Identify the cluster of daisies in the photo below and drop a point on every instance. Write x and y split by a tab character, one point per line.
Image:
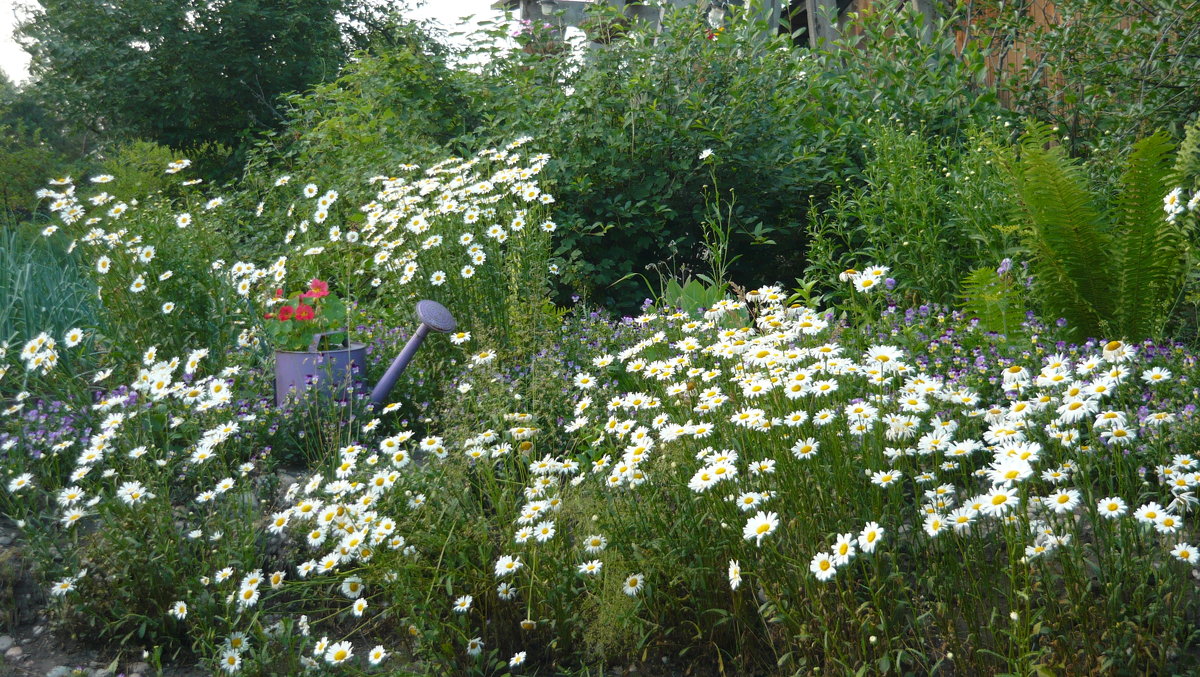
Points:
115	410
337	515
426	229
978	458
485	207
114	239
112	469
41	352
866	280
246	594
1174	204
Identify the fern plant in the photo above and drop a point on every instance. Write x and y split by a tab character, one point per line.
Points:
1186	178
994	299
1187	162
1108	267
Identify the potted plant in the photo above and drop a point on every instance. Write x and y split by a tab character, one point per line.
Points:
312	344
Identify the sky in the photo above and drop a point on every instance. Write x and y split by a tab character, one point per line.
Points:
15	63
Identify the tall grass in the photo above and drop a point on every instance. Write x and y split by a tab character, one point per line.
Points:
41	289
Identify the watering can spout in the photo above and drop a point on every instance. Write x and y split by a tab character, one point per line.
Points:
433	316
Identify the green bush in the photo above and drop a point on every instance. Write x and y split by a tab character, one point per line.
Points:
33	147
138	167
25	162
629	133
388	107
784	126
1104	71
929	210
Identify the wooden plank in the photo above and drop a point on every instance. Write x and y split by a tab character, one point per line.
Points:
769	13
929	13
822	22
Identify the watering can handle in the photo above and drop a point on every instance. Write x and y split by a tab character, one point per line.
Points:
316	340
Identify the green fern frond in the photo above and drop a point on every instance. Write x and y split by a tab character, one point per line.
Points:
1114	272
1187	162
1147	266
992	299
1066	235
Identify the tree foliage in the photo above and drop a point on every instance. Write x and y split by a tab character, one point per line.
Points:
186	72
399	104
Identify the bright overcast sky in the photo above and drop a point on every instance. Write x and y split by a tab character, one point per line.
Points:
448	13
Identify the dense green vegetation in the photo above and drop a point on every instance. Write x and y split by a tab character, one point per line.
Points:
913	390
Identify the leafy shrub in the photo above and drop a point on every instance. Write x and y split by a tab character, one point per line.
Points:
1105	72
137	168
26	160
626	127
387	107
784	127
32	147
892	64
931	211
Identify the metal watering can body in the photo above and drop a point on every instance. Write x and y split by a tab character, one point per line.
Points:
326	371
335	370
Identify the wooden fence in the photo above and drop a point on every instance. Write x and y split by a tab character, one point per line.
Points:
1009	54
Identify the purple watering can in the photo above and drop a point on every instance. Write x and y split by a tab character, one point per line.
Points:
327	370
322	370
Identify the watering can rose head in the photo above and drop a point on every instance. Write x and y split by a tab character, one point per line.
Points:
294	320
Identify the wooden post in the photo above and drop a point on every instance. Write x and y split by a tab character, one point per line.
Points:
822	22
929	12
769	13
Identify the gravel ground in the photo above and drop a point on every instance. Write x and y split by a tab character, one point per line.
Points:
30	647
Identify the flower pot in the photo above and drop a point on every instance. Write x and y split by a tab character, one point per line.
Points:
330	372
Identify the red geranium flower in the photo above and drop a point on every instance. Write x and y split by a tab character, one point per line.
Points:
305	312
285	313
316	289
